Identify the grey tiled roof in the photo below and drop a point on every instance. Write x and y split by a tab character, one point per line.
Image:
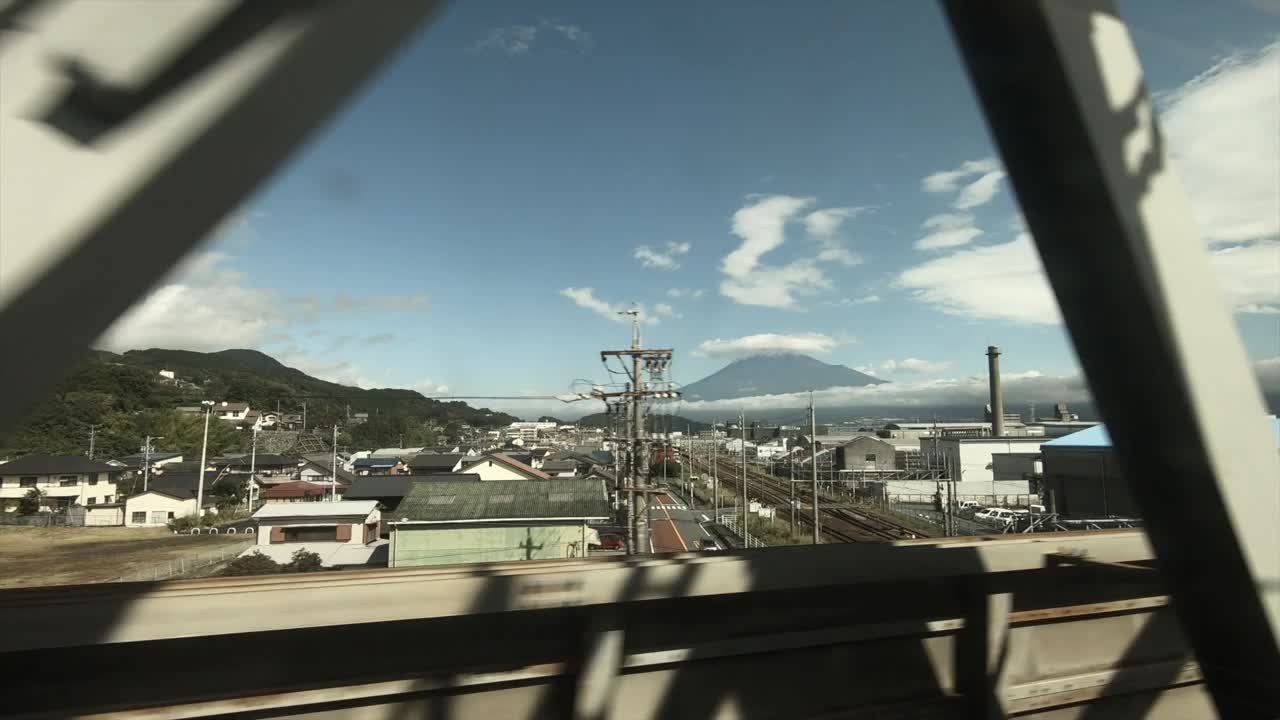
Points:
503	499
54	465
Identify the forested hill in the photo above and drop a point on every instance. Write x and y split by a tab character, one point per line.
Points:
125	398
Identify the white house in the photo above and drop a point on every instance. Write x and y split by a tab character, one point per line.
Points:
498	466
155	508
61	480
231	411
342	533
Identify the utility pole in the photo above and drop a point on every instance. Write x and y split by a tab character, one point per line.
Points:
791	483
204	454
742	431
333	479
304	417
715	470
813	460
146	463
253	468
93	434
655	363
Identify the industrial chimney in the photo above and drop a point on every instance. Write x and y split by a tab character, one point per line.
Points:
997	393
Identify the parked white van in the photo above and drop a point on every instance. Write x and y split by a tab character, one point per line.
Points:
998	516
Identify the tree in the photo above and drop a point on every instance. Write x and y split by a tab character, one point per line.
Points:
254	564
303	561
31	502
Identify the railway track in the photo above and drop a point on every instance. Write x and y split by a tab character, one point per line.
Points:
838	524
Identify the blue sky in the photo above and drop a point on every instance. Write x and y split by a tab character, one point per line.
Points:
445	229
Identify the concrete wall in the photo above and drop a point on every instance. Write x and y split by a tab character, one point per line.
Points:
1013	467
1087	483
972	460
413	545
152	502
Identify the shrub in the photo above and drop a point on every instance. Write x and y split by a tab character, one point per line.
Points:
302	561
255	564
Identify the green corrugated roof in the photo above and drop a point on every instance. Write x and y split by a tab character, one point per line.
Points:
499	499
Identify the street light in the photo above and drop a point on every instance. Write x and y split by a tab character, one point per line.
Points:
204	449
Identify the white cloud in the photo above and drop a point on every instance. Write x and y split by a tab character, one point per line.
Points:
1003	281
839	255
914	365
866	299
661	259
586	298
947	230
1249	276
776	287
684	293
949	180
1223	140
980	191
203	306
520	39
761	226
666	310
826	222
805	343
429	388
510	40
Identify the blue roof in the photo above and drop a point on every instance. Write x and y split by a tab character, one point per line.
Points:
1097	437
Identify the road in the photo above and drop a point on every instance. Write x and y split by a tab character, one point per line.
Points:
676	528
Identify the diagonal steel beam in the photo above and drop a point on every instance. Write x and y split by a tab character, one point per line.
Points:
1063	91
130	180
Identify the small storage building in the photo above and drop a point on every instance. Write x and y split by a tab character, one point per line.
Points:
445	523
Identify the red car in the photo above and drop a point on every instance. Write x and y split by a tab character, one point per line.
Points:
611	542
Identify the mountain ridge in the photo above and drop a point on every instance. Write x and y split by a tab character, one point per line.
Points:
773	374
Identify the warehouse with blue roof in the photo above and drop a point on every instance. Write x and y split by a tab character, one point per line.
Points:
1083	479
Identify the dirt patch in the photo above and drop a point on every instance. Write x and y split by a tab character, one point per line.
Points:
34	556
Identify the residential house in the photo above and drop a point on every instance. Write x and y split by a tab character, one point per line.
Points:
537	456
61	480
300	491
435	463
445	523
155	508
265	465
217	486
342	533
383	465
318	468
158	460
397	453
500	466
560	468
187	466
389	490
230	411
